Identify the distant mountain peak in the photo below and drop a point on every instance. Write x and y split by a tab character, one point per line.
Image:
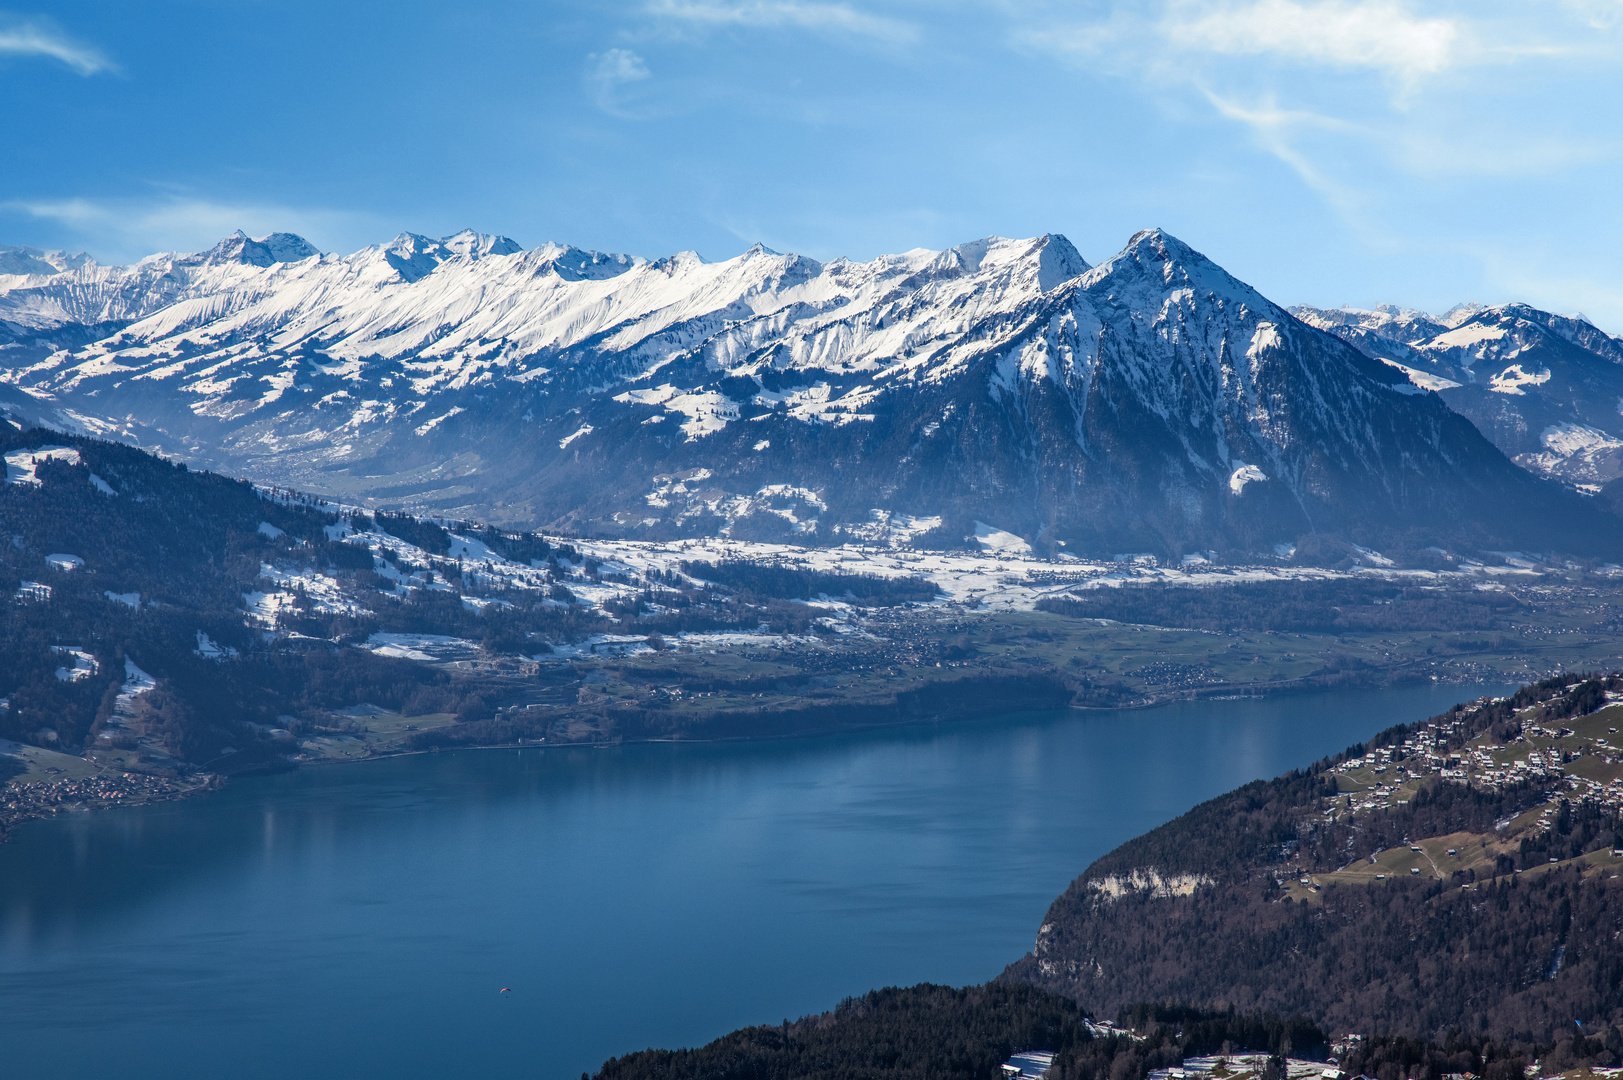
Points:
1058	261
31	261
288	247
478	244
1157	246
1459	313
268	250
999	380
415	256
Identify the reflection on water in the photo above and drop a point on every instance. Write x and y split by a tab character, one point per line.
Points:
358	920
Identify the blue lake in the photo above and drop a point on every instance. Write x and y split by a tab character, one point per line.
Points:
359	920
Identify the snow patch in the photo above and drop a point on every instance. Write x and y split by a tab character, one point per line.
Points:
1569	439
466	547
1265	337
584	429
1374	558
424	429
1425	380
84	665
131	600
136	684
1578	453
61	561
1244	475
1513	378
996	540
209	649
21	464
425	647
1466	336
101	485
892	529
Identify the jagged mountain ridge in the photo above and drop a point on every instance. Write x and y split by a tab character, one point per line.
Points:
1150	403
1546	389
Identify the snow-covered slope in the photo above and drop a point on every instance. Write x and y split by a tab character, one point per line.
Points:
999	387
1547	389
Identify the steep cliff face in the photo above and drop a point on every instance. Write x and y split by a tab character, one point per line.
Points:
1150	403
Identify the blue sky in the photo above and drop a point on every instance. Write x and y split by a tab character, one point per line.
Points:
1327	151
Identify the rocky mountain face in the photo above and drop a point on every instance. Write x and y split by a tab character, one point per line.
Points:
1546	389
1150	403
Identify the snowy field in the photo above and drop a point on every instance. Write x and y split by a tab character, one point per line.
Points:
1004	577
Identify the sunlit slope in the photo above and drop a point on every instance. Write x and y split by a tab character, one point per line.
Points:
1152	402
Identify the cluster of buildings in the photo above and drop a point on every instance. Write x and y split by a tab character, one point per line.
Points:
40	798
1588	765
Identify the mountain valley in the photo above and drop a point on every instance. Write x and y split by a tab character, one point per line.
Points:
492	497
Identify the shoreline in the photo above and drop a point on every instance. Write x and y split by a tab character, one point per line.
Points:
48	799
35	800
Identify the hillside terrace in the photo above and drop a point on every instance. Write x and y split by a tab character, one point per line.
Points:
1577	762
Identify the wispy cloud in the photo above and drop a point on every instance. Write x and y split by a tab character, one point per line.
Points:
1185	39
1277	131
39	36
609	73
1390	112
125	229
1369	68
1597	14
1382	35
839	18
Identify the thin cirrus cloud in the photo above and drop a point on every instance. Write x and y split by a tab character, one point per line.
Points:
1384	36
1259	63
1372	34
133	228
791	14
609	73
40	37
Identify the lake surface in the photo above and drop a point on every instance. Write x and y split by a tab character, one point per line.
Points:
359	920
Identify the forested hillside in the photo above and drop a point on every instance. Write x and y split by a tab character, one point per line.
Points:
122	571
929	1032
158	618
940	1033
1460	874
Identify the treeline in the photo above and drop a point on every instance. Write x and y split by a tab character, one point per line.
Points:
1515	958
1308	607
768	581
435	538
1401	1057
930	1032
167	556
923	1032
933	1032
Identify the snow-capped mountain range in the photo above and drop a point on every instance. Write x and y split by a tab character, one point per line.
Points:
1001	388
1547	389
